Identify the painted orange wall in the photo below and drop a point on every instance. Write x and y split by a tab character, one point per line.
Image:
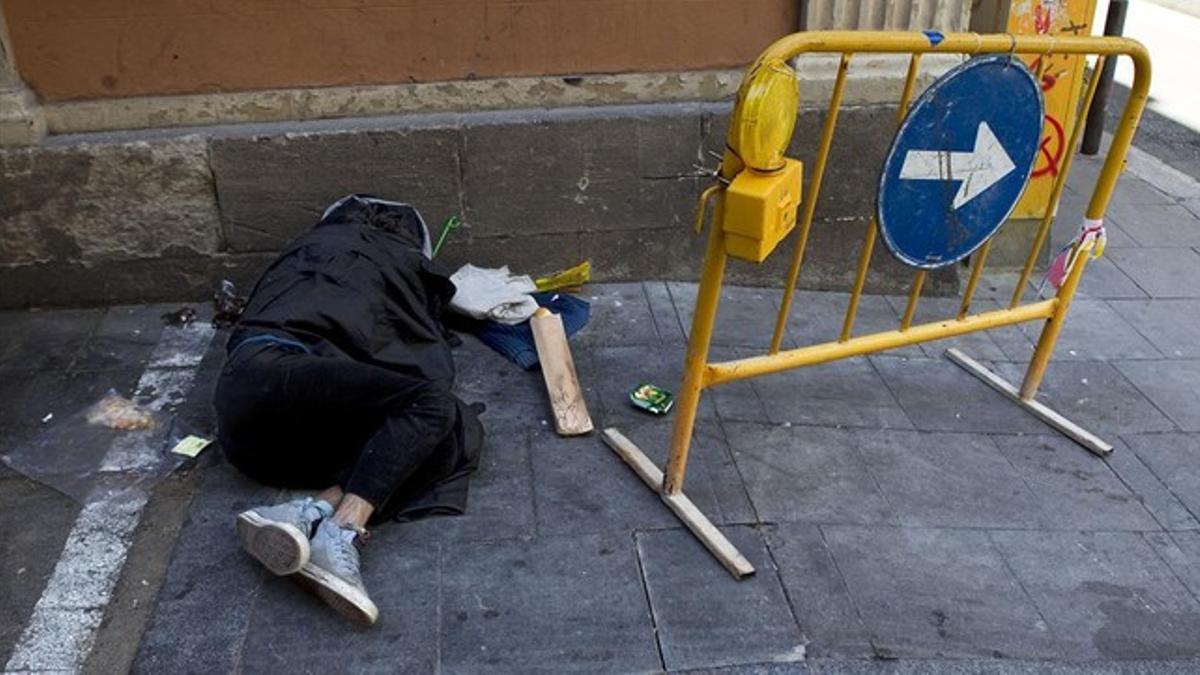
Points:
82	49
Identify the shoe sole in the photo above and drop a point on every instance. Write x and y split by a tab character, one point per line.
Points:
280	547
341	596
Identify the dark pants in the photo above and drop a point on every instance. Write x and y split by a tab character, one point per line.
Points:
295	420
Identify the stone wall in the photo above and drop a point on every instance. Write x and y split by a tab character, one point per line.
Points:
143	216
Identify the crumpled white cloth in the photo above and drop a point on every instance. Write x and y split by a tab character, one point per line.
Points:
496	294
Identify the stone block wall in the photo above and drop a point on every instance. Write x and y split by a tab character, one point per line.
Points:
143	216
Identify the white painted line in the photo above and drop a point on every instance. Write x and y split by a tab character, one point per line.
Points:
62	628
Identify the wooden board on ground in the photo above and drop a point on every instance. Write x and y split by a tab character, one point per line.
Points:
1045	413
558	369
694	518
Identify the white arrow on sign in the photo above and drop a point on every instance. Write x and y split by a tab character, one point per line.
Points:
978	170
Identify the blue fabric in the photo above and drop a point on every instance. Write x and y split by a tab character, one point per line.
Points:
515	343
268	339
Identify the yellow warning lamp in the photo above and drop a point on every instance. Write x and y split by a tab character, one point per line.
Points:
761	200
765	115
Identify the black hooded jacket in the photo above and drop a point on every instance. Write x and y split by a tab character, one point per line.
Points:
360	286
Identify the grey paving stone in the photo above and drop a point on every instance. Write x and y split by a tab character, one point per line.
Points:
1094	395
840	393
937	395
736	401
707	618
1076	489
1158	499
662	308
608	374
1175	460
1173	326
817	317
613	498
1093	332
291	630
1161	272
817	593
44	340
745	316
34	522
806	474
937	593
1104	280
948	480
1170	385
1181	552
205	602
1104	594
620	315
712	481
978	345
548	605
484	375
1161	224
124	337
500	501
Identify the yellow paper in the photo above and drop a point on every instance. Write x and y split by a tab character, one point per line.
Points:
191	446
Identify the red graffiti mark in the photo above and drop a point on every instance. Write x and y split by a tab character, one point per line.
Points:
1042	19
1051	150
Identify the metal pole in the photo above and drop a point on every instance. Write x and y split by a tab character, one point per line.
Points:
1114	24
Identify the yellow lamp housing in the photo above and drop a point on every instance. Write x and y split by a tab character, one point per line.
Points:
765	115
760	210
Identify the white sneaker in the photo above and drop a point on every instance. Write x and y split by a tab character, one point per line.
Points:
332	572
277	536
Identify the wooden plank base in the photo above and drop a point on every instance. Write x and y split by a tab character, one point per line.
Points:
1038	409
696	521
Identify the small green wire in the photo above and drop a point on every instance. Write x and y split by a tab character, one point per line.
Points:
451	223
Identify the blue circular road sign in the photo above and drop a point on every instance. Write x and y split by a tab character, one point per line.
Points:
960	161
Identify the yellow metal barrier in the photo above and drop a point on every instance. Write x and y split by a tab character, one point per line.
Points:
745	226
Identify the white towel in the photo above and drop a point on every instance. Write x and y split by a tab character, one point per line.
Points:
495	294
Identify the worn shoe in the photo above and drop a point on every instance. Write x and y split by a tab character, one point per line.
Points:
332	572
277	536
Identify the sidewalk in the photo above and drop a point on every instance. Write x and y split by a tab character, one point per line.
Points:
901	515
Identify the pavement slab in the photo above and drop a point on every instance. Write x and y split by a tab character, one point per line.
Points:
1104	594
1172	458
1173	326
1172	272
806	474
848	393
1074	488
1094	395
557	604
745	316
948	480
44	340
704	616
937	395
926	593
1093	332
1170	385
817	593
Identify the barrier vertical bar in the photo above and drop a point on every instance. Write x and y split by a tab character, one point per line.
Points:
914	294
810	205
1060	181
976	269
708	296
868	249
1101	194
